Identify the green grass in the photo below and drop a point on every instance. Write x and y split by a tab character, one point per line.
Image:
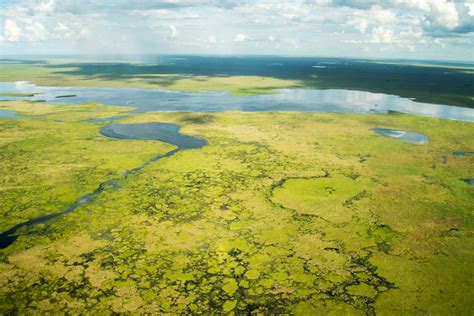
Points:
67	76
13	94
280	213
60	159
424	82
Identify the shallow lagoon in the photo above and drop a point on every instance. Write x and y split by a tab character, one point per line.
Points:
403	136
8	114
304	100
462	153
164	132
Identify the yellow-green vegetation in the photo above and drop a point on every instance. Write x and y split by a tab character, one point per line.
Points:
438	83
300	213
72	77
47	163
16	94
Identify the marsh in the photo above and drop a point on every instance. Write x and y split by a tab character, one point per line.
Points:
164	132
294	100
187	183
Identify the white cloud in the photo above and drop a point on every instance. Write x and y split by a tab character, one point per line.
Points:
26	29
11	31
383	16
359	23
470	6
240	37
173	30
260	27
36	32
61	27
437	17
279	9
45	7
382	35
388	40
418	4
165	14
362	27
62	31
443	14
211	39
362	20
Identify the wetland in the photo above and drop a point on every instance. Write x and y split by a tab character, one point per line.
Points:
165	132
403	136
295	100
137	197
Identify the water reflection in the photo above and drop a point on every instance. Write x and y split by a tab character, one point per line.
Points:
151	131
403	136
304	100
8	114
164	132
468	181
462	153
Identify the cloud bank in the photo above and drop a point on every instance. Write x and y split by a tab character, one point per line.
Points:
437	29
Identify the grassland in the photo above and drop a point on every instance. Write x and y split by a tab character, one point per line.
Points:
14	94
114	77
280	213
426	82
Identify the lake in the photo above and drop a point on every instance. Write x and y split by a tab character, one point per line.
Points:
164	132
8	114
301	100
403	136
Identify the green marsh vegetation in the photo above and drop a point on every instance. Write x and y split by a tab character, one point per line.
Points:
48	163
439	83
14	94
279	213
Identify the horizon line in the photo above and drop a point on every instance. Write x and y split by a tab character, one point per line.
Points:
6	56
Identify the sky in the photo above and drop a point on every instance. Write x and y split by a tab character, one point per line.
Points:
412	29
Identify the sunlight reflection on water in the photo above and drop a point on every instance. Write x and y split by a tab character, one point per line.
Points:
304	100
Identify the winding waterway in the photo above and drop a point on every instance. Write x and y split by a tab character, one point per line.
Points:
165	132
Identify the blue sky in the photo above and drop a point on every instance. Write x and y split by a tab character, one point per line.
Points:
419	29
